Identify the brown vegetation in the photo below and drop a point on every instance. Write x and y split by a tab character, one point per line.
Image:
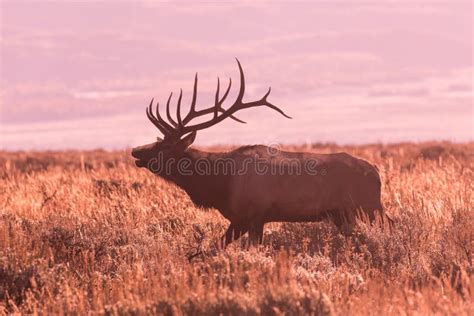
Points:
89	232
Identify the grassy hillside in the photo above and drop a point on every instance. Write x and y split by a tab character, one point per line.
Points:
89	232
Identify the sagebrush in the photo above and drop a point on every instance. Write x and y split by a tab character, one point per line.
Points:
88	232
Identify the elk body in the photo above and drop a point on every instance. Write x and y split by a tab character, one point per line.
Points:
254	185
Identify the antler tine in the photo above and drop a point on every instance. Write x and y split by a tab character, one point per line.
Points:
168	114
149	112
192	109
178	109
193	102
218	103
226	93
216	106
150	115
222	101
240	96
161	120
263	102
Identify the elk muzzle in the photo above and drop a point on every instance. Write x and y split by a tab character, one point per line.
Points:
142	154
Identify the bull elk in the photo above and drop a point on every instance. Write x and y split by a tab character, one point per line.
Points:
254	185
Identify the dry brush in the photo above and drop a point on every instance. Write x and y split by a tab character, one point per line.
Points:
87	232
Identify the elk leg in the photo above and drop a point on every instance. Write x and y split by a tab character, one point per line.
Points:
343	221
256	233
233	232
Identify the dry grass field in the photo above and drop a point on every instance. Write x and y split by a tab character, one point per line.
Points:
88	232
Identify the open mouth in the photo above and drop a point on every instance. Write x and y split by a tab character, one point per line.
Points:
140	163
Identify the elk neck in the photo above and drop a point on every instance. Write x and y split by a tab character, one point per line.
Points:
198	177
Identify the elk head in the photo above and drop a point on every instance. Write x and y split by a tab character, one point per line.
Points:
179	134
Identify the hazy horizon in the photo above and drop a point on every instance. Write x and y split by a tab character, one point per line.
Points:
79	75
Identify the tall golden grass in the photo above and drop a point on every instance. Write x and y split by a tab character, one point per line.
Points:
88	232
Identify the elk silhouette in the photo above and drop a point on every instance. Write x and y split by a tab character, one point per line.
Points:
254	185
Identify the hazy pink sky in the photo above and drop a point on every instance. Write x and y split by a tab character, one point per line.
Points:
79	74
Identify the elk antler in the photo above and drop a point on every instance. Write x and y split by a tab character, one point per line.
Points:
178	128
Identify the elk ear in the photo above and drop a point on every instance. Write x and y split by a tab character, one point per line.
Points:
187	141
